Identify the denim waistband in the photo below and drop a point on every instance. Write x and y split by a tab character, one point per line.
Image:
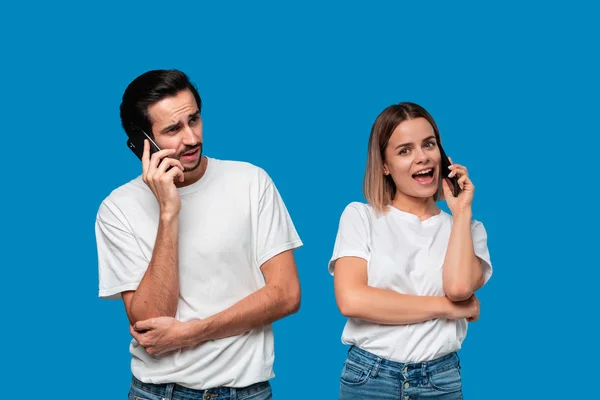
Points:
364	357
168	390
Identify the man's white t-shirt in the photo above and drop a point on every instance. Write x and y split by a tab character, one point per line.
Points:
231	221
405	255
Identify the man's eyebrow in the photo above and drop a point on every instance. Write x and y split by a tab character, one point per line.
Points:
408	144
169	127
178	124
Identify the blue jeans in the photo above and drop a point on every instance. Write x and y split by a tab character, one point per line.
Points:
171	391
367	376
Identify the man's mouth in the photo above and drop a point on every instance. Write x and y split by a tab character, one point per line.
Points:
424	177
191	153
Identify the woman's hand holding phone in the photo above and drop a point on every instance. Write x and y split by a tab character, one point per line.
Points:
161	181
464	200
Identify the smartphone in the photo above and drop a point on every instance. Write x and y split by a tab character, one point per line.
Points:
136	142
445	171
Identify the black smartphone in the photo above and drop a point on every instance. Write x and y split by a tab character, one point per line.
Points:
136	142
445	171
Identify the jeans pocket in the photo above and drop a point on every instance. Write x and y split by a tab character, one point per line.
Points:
136	393
448	380
264	394
354	373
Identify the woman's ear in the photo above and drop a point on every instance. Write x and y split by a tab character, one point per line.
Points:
386	171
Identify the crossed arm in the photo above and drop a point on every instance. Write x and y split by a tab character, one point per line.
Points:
161	333
462	276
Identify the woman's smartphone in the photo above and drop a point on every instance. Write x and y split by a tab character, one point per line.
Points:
445	171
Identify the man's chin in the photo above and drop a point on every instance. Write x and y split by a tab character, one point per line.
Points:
194	167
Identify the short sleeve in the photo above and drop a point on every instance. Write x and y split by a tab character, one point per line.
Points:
275	230
479	235
121	263
352	238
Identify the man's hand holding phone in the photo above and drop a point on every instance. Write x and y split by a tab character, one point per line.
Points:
162	181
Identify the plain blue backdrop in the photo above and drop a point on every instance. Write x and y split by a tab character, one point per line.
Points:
294	88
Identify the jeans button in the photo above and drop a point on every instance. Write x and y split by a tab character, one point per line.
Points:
406	385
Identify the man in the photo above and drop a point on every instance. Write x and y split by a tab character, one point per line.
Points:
200	251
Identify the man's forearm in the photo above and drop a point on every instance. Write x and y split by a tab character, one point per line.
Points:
158	292
462	270
258	309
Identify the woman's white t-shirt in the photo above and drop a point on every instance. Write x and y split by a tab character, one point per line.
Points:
404	254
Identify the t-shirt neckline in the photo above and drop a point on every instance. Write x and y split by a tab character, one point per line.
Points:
210	166
413	217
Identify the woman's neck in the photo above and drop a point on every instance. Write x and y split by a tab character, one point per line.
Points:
421	207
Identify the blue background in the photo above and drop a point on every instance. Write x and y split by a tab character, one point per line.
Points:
294	89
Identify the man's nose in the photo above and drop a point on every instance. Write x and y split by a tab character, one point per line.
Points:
189	138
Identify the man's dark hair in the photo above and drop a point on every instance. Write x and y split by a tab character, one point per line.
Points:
147	89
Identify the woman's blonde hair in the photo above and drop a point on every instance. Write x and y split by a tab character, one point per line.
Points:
378	188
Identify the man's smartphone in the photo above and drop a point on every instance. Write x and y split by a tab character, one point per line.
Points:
445	171
136	142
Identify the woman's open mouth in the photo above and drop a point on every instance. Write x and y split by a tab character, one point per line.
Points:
424	177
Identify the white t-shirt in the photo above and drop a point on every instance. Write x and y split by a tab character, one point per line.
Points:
403	254
231	221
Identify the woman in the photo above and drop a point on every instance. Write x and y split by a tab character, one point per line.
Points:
405	272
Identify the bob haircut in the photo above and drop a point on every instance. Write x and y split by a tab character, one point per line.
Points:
379	189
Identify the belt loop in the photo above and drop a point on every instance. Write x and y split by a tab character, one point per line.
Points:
424	369
232	394
169	391
375	370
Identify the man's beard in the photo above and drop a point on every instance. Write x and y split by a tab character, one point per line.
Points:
198	146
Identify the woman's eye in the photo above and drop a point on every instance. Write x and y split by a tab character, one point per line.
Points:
403	151
430	144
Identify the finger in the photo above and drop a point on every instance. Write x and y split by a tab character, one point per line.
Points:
173	173
462	181
158	156
137	336
142	326
145	157
169	162
458	170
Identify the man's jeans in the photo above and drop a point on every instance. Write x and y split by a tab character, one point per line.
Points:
367	376
147	391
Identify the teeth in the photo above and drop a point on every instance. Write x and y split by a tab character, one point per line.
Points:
425	171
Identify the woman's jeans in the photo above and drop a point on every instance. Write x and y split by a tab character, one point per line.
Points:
367	376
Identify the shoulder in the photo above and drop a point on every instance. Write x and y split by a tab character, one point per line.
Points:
240	169
120	197
358	211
